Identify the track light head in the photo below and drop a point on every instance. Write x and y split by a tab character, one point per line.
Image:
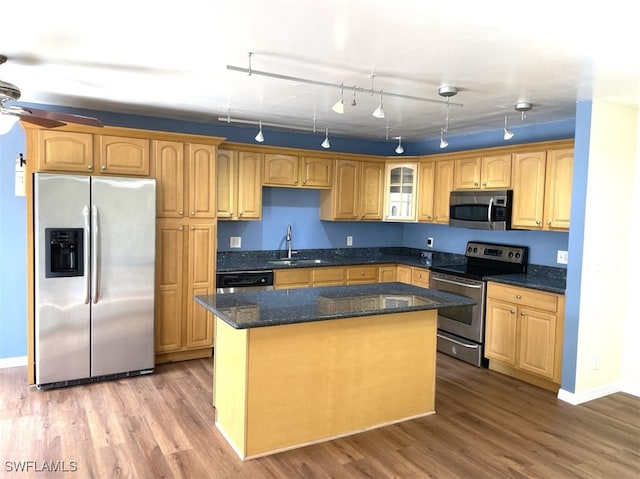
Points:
508	134
399	149
353	100
443	142
338	107
379	112
260	137
326	144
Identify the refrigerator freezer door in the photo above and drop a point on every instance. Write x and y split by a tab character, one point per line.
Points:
123	245
62	326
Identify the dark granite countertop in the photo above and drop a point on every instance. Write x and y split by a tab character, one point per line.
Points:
543	278
290	306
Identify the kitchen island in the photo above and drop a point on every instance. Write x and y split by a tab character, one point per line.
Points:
295	367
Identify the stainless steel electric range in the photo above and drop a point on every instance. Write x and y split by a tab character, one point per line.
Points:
461	330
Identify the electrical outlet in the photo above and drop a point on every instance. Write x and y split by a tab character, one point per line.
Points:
595	363
429	242
235	242
349	240
563	257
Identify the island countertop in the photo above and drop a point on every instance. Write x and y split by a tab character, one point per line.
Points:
290	306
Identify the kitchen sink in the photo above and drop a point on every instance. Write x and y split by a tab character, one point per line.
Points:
298	262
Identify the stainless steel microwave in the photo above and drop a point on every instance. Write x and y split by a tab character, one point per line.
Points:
481	210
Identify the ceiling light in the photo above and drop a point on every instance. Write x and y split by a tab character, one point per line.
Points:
443	143
6	123
399	149
447	91
260	137
325	143
523	106
338	107
508	134
379	112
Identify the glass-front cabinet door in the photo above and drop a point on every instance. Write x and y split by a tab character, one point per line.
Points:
400	198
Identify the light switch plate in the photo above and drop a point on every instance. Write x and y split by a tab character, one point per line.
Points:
429	242
349	240
235	242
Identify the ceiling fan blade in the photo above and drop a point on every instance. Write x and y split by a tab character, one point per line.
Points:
30	113
41	121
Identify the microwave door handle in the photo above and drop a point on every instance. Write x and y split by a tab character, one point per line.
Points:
87	252
489	212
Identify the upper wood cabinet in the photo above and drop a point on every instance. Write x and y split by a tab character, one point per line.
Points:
542	183
401	191
483	172
295	171
357	192
239	185
123	156
426	181
443	185
75	152
185	177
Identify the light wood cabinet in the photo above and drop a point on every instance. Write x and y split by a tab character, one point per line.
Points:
524	331
443	185
483	172
400	191
185	267
120	155
185	177
404	274
77	152
328	276
387	273
295	171
292	278
239	185
357	193
542	182
420	277
362	274
426	182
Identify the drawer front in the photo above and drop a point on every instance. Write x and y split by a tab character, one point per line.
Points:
362	273
523	297
328	275
284	278
420	277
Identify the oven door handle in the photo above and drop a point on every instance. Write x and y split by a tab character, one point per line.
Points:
470	346
464	285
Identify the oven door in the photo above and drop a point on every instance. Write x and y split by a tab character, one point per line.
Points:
465	321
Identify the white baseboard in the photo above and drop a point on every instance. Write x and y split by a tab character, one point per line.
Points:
13	362
590	395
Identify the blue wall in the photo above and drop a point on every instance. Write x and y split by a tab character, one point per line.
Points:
13	263
281	207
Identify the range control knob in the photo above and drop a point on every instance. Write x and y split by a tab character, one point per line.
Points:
517	255
510	254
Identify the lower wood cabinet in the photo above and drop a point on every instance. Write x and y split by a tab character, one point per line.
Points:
185	267
524	332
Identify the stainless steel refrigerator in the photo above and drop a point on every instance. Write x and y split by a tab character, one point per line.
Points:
94	277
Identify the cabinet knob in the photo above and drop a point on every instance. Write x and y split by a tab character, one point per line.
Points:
181	213
419	275
549	222
512	311
538	222
103	167
192	228
475	183
295	182
193	213
89	167
518	296
180	228
304	182
361	273
241	213
484	184
522	313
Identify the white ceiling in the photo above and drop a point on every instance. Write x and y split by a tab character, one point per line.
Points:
170	59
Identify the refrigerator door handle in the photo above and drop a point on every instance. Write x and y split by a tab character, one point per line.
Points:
87	252
95	248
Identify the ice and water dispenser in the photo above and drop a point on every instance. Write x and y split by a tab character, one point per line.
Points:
64	249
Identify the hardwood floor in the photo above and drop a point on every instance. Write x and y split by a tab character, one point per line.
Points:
161	426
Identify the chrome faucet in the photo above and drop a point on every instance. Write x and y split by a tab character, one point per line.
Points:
288	240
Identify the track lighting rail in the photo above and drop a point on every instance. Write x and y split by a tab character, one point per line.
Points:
355	88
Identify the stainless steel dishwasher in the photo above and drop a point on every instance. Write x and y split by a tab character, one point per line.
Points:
239	281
